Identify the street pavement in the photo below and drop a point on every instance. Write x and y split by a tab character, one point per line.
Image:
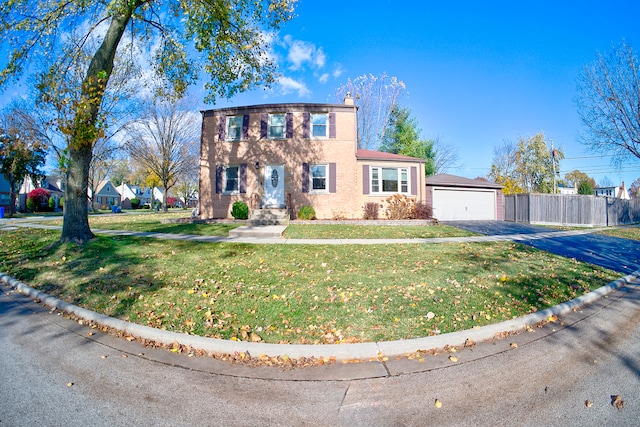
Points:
622	255
55	371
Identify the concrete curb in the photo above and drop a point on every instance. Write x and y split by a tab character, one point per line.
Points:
341	352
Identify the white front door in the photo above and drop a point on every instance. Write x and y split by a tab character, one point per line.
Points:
274	186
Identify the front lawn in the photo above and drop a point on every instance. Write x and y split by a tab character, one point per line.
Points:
632	233
298	293
345	231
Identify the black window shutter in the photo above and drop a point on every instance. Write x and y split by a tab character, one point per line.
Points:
332	178
365	179
243	178
414	180
218	179
306	125
245	127
289	125
222	127
264	125
332	125
305	177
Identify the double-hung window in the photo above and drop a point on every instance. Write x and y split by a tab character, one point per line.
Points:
277	126
231	180
389	180
234	128
320	125
319	176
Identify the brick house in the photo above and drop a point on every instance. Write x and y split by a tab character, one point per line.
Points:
285	156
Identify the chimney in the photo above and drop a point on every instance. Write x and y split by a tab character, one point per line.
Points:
348	100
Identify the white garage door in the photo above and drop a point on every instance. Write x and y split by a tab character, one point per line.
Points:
474	204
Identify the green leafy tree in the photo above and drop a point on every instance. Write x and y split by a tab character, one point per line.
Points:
585	187
226	41
575	177
402	136
22	152
527	166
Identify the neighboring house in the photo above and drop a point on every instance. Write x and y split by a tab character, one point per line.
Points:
617	192
5	194
568	190
292	155
53	184
106	195
456	198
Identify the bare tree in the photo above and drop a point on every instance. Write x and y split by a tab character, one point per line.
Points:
376	97
608	104
164	141
446	156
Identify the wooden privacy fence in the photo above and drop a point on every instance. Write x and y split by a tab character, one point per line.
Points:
570	209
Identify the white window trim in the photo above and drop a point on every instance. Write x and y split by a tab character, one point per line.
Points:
284	126
228	134
224	180
326	179
399	170
326	135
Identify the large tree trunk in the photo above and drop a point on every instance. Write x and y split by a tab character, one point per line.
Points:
75	227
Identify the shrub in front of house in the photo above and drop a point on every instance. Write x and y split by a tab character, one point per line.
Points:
400	206
307	212
171	202
423	211
135	203
371	211
37	199
240	210
61	202
52	203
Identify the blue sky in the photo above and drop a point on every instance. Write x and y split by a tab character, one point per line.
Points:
477	73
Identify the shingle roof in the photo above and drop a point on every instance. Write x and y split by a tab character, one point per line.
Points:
446	180
380	155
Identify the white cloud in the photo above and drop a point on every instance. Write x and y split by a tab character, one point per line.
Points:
320	58
299	53
337	72
324	78
289	85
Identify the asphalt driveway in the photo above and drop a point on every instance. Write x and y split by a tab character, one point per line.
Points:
621	255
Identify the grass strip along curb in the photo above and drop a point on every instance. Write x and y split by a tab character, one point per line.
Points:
333	352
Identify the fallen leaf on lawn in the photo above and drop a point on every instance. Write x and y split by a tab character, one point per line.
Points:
430	315
588	403
438	404
255	337
617	401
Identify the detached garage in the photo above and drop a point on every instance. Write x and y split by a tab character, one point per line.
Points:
455	198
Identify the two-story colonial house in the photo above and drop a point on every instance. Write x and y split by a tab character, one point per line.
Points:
291	155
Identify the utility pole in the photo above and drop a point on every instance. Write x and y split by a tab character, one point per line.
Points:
553	161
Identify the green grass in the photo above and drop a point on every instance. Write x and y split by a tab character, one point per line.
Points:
151	222
298	293
632	233
342	231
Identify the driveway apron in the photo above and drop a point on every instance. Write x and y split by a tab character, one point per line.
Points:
621	255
